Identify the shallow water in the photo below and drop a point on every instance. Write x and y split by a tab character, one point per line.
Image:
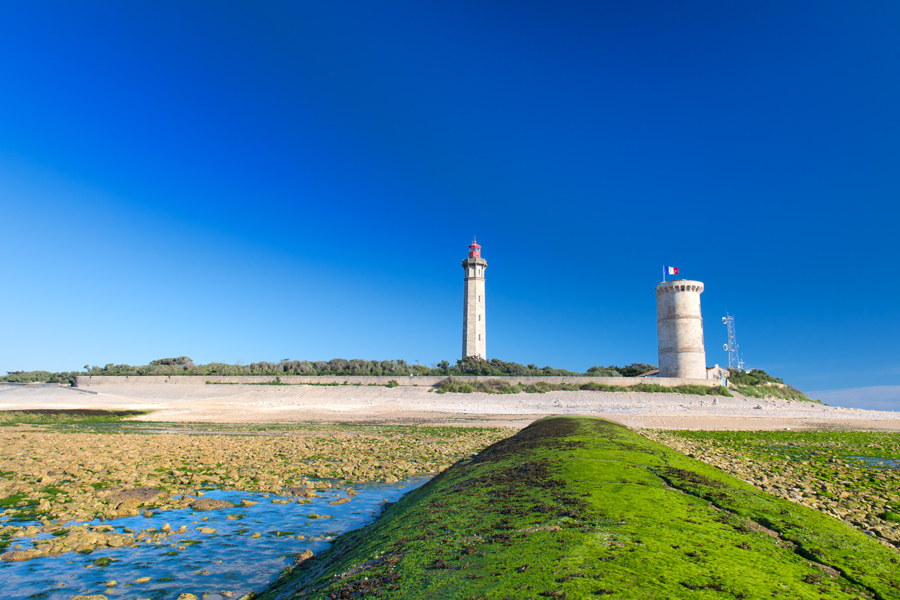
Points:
229	560
877	461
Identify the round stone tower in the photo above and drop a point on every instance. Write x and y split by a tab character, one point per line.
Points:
474	339
680	329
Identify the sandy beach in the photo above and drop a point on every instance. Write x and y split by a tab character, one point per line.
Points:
194	401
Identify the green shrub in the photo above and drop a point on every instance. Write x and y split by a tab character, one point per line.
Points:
654	388
718	391
497	386
751	391
599	387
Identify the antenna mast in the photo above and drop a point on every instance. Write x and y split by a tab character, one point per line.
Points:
734	360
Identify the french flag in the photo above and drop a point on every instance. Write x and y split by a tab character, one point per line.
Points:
671	270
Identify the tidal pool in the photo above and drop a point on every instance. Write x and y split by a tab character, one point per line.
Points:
230	561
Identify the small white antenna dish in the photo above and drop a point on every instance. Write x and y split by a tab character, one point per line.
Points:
725	347
724	320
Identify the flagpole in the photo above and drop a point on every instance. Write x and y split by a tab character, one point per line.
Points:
664	273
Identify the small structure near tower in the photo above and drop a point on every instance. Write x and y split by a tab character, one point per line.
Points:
735	362
680	329
474	342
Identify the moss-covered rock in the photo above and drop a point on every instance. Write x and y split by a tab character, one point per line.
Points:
845	474
581	507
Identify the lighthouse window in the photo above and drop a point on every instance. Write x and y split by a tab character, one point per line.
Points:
479	270
479	337
479	317
479	298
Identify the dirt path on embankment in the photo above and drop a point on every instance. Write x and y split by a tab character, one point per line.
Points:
243	403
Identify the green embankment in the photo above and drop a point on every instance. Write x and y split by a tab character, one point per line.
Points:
578	507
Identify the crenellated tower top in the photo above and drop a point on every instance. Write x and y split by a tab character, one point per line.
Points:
680	285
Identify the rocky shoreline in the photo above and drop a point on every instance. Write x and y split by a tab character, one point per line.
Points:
58	478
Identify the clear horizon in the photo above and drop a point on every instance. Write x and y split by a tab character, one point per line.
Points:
302	180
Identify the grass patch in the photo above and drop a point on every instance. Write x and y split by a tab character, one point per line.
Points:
503	386
786	392
74	416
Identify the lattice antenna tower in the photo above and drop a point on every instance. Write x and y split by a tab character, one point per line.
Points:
734	360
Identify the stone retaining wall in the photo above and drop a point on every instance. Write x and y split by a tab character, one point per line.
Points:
94	381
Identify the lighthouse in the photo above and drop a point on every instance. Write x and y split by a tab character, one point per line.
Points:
474	342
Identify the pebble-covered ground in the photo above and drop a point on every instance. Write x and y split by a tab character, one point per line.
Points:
853	476
64	477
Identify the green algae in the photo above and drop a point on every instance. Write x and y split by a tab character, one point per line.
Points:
581	507
840	473
16	500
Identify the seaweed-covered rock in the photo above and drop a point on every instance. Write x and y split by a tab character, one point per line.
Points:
136	496
17	555
302	492
211	504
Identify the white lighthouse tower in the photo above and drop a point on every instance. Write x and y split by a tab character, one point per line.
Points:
474	343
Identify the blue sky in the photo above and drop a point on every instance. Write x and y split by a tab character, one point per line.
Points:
258	181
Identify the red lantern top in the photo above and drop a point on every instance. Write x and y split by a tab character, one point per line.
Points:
474	249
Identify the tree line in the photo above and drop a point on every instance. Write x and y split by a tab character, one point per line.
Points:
339	367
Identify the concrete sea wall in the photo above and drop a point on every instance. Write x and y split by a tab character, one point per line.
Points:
96	381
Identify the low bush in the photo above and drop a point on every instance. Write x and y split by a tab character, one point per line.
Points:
500	386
